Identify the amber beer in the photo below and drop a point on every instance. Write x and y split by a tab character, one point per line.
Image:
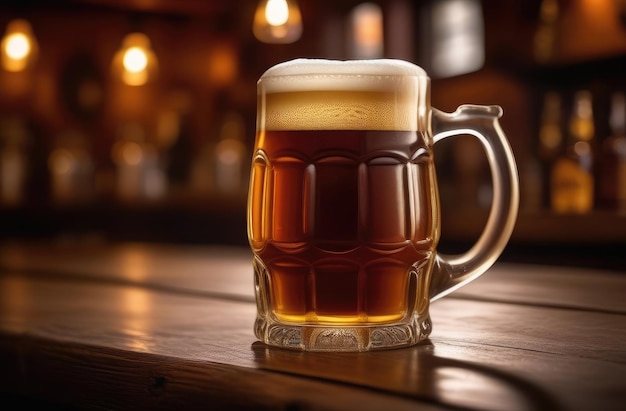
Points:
343	211
340	232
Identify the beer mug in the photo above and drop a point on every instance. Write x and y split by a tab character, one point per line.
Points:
343	209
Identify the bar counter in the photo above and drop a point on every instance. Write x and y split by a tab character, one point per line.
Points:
137	326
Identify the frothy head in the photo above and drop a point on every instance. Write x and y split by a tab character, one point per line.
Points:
307	94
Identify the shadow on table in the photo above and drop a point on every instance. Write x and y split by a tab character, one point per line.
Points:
417	373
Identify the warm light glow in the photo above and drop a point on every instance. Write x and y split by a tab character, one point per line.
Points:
61	161
127	153
581	123
135	59
367	31
277	21
223	64
135	265
132	153
277	12
18	46
136	305
228	152
135	62
458	37
581	148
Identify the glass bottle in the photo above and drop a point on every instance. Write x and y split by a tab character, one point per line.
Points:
140	175
550	136
550	144
230	156
613	158
545	39
14	141
572	179
71	167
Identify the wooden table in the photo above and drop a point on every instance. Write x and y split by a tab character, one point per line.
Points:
128	326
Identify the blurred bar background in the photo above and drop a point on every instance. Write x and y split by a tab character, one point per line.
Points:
133	120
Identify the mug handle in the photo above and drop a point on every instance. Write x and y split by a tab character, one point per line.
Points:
451	272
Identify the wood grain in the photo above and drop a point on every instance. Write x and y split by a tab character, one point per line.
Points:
171	327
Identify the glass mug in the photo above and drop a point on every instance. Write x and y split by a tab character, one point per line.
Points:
343	208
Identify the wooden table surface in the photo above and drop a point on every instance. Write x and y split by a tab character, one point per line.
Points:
134	326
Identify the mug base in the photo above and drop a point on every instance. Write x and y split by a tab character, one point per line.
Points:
343	338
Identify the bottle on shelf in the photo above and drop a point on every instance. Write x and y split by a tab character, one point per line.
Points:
550	144
220	165
550	135
71	167
546	35
572	177
230	156
612	161
14	141
140	175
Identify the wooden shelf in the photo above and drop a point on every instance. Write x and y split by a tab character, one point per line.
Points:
545	227
598	227
595	240
203	221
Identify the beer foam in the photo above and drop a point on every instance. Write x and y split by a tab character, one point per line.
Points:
315	94
319	74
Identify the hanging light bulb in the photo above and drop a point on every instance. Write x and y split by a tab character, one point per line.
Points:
367	31
19	46
135	62
277	21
